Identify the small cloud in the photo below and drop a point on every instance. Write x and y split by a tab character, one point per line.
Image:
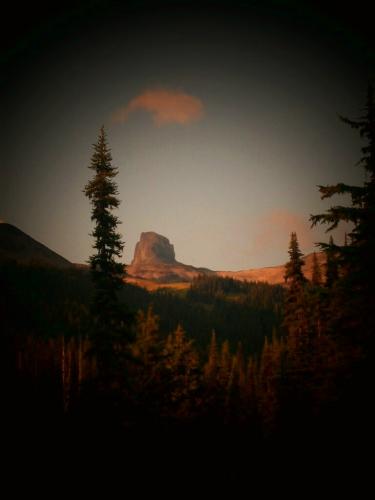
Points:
274	228
166	107
271	235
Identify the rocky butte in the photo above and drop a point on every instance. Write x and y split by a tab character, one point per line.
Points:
155	260
154	264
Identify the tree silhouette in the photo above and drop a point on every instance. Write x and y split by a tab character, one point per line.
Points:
316	278
181	365
293	269
332	267
295	304
211	367
356	259
108	274
351	298
297	312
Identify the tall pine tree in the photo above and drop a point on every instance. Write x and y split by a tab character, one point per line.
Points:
352	298
109	318
316	277
297	318
332	266
356	259
293	269
294	311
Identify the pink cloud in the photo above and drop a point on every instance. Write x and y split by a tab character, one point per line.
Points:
166	107
274	228
271	233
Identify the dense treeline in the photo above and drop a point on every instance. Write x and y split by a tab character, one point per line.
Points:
170	375
258	295
237	312
45	318
46	301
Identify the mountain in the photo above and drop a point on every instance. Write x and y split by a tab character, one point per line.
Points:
155	260
15	245
154	265
275	274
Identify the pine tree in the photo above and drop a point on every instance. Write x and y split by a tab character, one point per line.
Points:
268	382
299	322
332	266
241	366
316	278
293	269
181	365
251	387
316	299
146	343
146	348
236	386
357	257
225	364
145	371
110	320
352	298
211	367
294	309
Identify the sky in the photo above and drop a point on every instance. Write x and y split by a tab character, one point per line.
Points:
222	119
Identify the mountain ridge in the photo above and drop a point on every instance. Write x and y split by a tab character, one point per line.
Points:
154	263
17	246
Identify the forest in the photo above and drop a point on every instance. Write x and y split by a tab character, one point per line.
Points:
88	354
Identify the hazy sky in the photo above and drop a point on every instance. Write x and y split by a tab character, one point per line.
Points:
222	121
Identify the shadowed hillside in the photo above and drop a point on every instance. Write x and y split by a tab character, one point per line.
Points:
15	245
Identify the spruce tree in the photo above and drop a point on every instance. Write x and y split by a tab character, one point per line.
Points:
316	278
146	343
297	314
109	318
294	309
268	383
352	298
332	267
356	259
251	387
146	387
211	367
225	364
316	297
293	269
181	366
